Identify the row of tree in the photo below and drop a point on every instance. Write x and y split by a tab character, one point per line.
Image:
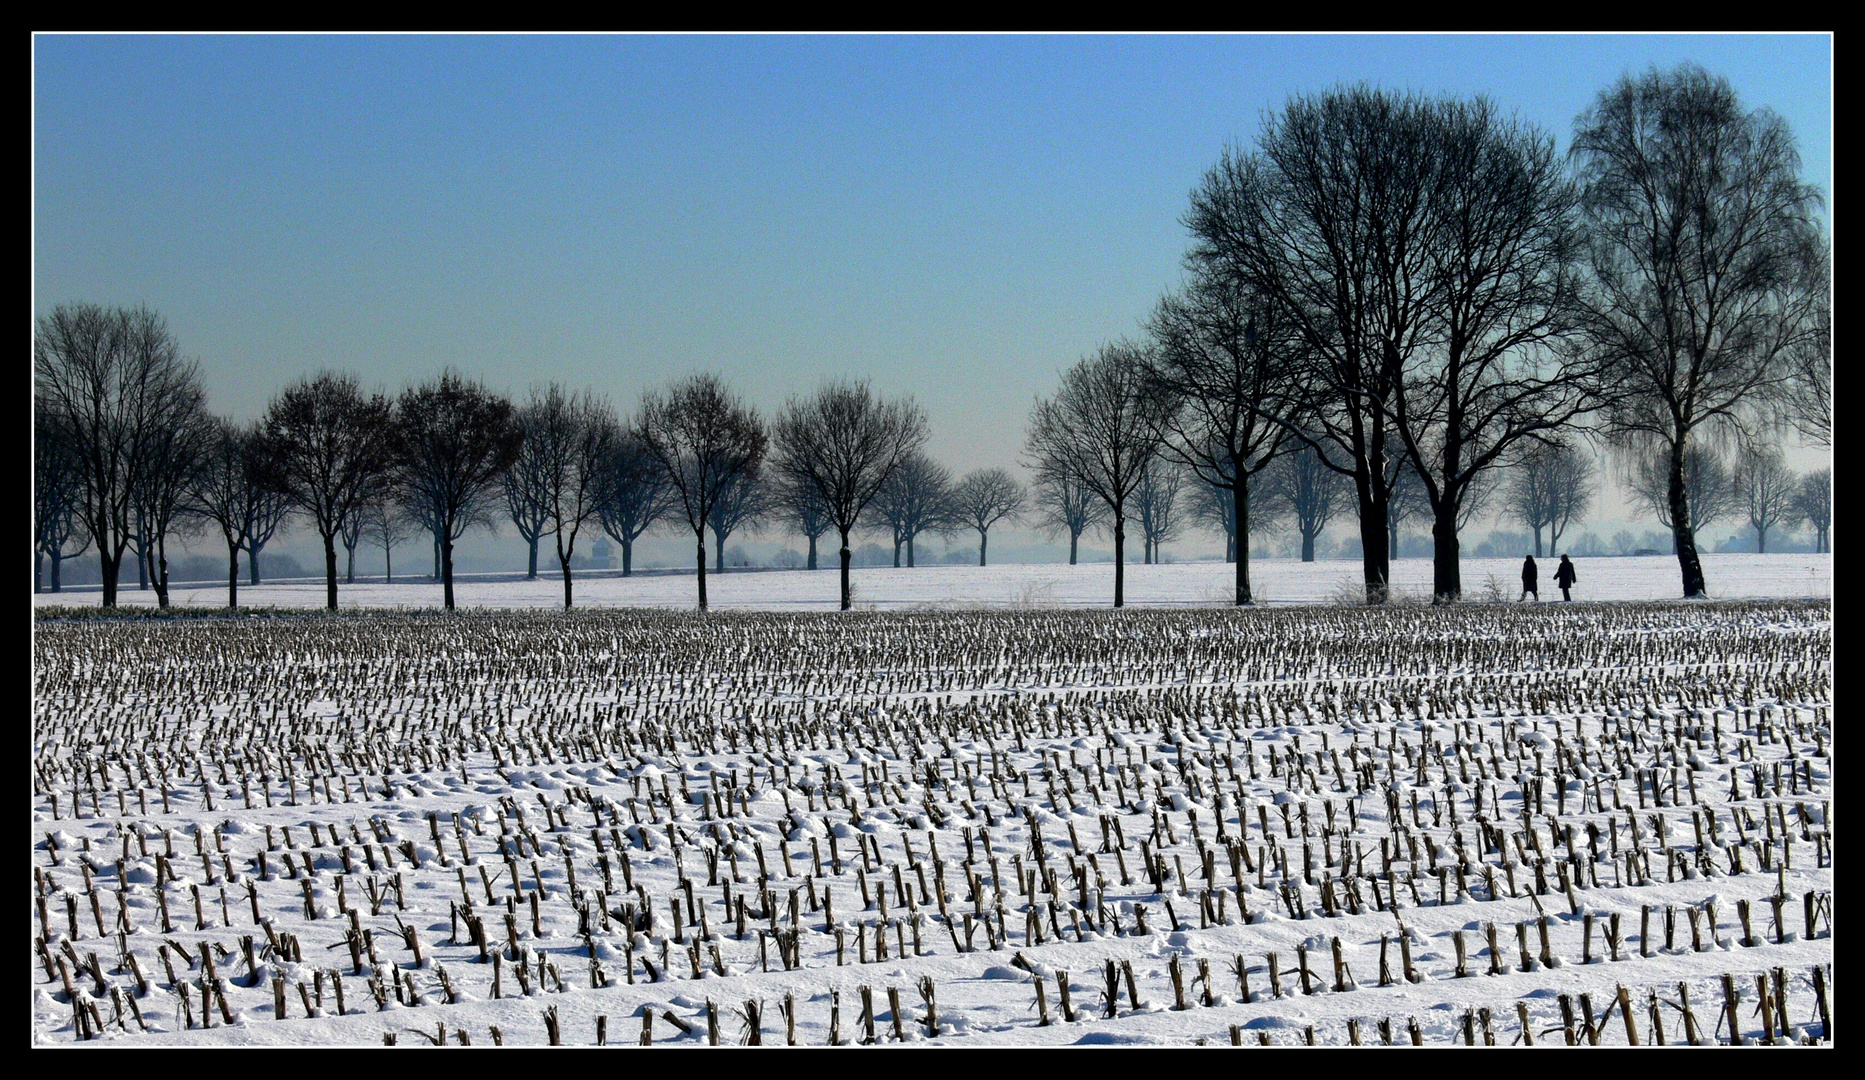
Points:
1416	290
1391	303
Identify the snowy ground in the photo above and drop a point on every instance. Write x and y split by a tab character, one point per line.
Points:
1275	581
1609	790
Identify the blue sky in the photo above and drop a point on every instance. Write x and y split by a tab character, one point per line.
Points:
957	217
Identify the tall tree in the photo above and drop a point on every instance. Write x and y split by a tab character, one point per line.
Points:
916	499
845	441
454	441
1064	504
1499	368
636	495
702	436
350	534
117	378
1312	493
744	502
1813	502
1766	491
984	497
1212	506
1102	426
57	495
576	436
329	449
1551	486
1709	269
1156	505
225	490
268	510
1226	359
1330	220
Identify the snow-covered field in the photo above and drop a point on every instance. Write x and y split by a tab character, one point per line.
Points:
1275	581
977	827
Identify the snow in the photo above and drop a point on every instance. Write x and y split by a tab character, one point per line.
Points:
1632	685
1030	585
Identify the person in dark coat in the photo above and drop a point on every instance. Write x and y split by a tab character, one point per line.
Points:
1530	575
1565	578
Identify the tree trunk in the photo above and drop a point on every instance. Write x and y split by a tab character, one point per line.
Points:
1240	536
1074	537
982	539
58	561
1230	548
910	552
1681	533
160	566
1446	575
563	563
812	553
718	558
701	537
142	564
847	600
1554	539
38	569
252	564
1308	545
435	539
898	544
111	566
446	573
388	565
349	565
233	577
1120	555
1537	539
628	555
1373	546
330	571
1392	534
531	571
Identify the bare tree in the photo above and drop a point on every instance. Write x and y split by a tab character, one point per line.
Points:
1102	426
387	525
1766	491
984	497
1709	490
1406	498
703	436
454	441
576	438
636	495
916	499
523	485
1330	221
1211	505
1813	502
1156	505
1312	492
1551	486
1226	361
57	495
845	442
328	451
744	502
1500	371
1709	269
1065	504
804	509
268	510
117	379
224	491
179	447
350	534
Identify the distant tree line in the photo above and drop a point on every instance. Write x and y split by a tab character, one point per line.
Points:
1394	307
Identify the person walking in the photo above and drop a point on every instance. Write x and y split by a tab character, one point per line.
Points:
1530	575
1565	577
